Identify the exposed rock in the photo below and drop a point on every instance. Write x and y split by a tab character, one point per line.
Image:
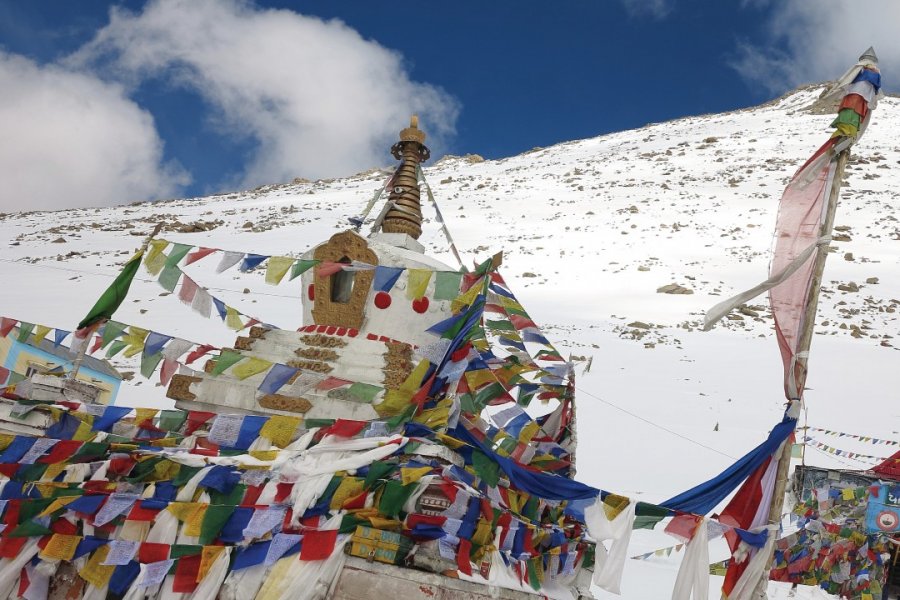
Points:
848	287
59	240
872	280
639	325
674	288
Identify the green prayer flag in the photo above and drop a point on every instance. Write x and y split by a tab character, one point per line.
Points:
364	392
25	331
311	423
226	358
149	364
394	495
648	515
29	529
184	475
14	378
178	252
446	285
182	550
302	266
214	519
168	278
172	420
378	470
488	393
500	325
349	522
111	331
485	468
115	348
114	295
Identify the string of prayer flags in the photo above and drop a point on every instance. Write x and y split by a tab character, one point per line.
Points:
277	268
386	277
863	438
251	261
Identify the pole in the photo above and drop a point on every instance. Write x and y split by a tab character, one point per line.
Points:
800	370
82	350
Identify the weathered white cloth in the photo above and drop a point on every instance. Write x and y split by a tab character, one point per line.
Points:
609	564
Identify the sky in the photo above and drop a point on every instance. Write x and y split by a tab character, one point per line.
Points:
110	103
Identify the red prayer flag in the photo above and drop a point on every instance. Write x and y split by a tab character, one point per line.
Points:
186	570
318	545
188	289
344	428
198	254
462	557
150	552
60	452
6	325
195	419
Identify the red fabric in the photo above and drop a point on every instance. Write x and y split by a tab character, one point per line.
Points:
98	342
121	466
520	322
141	514
194	355
24	582
797	228
6	325
740	513
4	375
487	511
328	268
890	468
196	418
198	254
188	289
169	367
10	547
318	545
150	552
60	452
856	103
419	519
186	570
64	527
9	469
282	491
252	495
356	502
463	562
344	428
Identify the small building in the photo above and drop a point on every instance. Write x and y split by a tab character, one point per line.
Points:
28	359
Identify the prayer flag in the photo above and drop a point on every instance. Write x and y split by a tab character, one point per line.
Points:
114	295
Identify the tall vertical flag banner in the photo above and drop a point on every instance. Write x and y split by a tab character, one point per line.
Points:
114	294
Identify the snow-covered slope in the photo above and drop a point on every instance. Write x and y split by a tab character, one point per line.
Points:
590	230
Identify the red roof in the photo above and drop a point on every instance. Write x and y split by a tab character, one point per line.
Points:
890	468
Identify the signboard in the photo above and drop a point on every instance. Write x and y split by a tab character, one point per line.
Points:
883	512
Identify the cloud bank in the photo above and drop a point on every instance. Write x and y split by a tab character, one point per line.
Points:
817	41
315	97
73	140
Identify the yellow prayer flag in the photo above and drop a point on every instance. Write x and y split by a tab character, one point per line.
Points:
5	440
233	319
135	340
417	282
408	475
40	332
386	524
468	297
264	454
450	442
480	378
529	431
208	556
155	260
847	494
280	429
350	487
435	417
95	572
54	470
61	547
189	513
250	367
56	505
614	504
277	267
144	414
483	533
165	470
396	401
84	433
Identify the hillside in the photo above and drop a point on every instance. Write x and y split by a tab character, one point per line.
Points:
590	230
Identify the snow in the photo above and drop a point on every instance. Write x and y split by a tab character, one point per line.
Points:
691	202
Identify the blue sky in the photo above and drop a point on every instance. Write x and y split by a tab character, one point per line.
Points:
188	97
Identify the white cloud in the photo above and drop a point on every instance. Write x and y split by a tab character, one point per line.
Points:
652	8
316	98
70	139
817	41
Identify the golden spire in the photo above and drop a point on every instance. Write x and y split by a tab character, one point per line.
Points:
405	216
